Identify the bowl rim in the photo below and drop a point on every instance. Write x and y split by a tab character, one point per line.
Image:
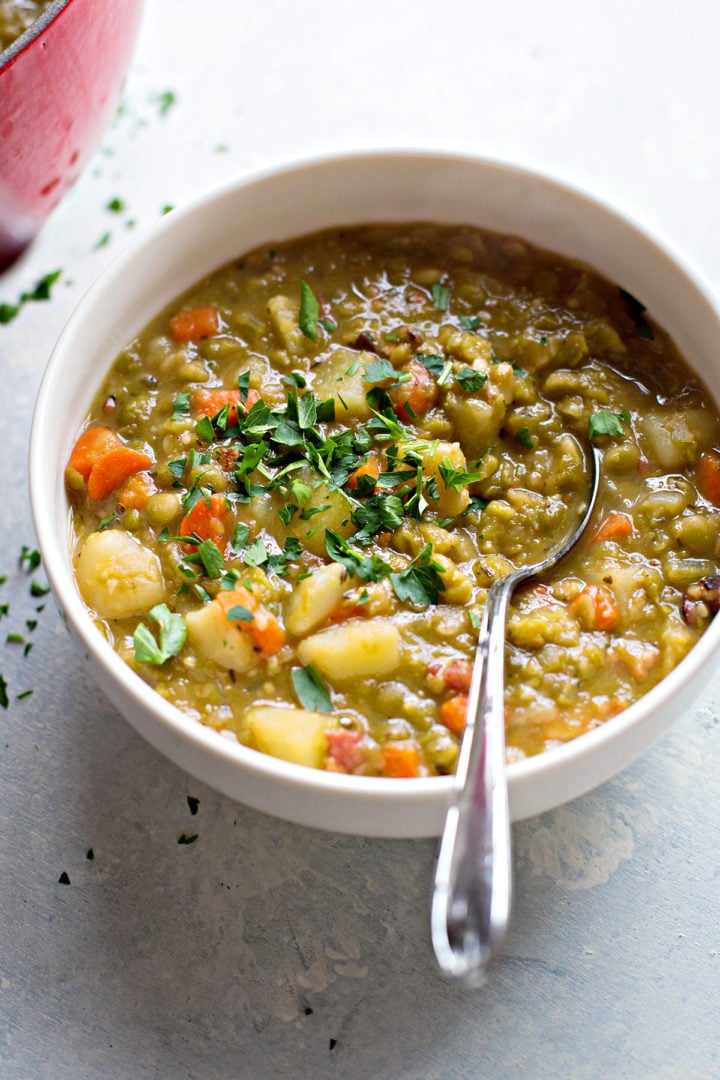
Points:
546	764
33	31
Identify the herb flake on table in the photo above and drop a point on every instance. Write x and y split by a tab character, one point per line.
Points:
42	290
165	101
185	839
193	803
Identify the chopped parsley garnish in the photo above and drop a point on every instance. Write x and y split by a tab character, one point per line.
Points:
382	370
4	700
524	438
193	803
309	312
116	205
240	537
239	613
185	839
170	641
311	691
456	478
211	558
440	296
103	241
181	406
470	322
470	379
64	879
605	422
421	583
256	554
39	588
434	364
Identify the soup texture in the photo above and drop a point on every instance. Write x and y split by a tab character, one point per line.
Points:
15	18
296	485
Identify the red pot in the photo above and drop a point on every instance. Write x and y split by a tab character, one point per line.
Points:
59	85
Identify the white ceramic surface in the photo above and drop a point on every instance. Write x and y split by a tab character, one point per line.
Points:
365	187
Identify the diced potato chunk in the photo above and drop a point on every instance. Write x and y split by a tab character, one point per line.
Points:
314	598
332	512
284	316
451	500
296	735
341	376
117	575
220	639
354	649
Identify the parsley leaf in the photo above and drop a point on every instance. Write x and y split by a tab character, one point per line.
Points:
470	322
239	613
379	371
434	364
440	296
4	699
181	406
312	693
523	436
210	556
256	554
170	641
421	583
309	312
470	379
456	478
605	422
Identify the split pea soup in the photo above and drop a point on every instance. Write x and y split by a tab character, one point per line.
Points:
297	483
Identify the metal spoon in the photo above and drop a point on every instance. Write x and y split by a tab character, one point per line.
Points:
471	900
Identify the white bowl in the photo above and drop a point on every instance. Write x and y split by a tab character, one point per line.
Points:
302	198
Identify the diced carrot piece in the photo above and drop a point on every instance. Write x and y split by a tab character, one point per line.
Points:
453	713
115	466
91	446
707	476
195	324
595	607
209	522
371	468
457	675
136	491
209	401
267	633
416	396
345	750
615	526
400	760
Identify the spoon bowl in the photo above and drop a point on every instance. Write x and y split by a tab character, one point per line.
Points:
473	879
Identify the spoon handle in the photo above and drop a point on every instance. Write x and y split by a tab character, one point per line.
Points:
471	900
